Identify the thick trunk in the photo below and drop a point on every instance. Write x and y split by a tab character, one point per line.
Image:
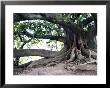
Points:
92	43
91	39
89	53
86	46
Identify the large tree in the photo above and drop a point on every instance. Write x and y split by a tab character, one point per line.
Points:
77	31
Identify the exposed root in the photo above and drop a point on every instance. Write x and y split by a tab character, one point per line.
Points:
44	62
76	61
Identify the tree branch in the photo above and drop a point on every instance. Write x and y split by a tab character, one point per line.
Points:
34	16
34	52
25	43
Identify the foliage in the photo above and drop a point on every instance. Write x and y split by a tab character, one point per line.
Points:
41	28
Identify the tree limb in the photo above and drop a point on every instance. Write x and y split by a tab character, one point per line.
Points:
34	52
58	57
34	16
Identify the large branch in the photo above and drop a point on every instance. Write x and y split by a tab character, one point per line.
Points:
35	16
59	57
34	52
94	15
57	38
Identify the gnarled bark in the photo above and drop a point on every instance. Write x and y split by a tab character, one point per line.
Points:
62	56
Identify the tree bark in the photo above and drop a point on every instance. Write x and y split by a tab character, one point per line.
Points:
58	57
34	52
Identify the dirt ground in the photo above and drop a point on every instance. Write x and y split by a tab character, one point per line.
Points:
59	69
